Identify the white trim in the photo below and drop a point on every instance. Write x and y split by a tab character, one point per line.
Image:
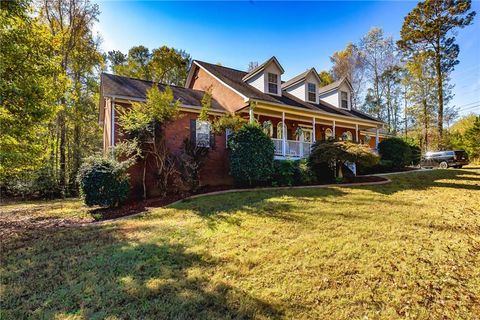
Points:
314	130
356	133
245	98
284	133
112	142
334	135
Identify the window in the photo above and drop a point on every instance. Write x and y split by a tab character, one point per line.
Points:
228	133
366	139
202	134
328	134
268	128
312	92
344	99
347	136
280	130
272	83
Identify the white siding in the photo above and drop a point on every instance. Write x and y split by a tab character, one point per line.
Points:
334	97
258	81
272	68
297	90
330	97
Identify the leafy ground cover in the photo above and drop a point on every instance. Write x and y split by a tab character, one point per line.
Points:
408	249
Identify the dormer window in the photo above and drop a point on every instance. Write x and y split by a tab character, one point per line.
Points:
272	83
344	97
312	92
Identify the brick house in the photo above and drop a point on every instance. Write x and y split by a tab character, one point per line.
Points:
319	112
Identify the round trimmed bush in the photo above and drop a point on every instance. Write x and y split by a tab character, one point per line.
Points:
395	150
251	156
103	182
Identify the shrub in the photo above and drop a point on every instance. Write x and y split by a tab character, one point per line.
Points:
334	154
382	166
251	156
292	173
283	173
192	159
395	150
103	182
415	154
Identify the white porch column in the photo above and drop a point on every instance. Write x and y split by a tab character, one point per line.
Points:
356	133
313	131
376	138
284	134
334	129
252	117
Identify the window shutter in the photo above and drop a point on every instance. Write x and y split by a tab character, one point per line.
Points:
193	131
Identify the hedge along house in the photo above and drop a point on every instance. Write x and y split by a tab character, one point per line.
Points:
294	113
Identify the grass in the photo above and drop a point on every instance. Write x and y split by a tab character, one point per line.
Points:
409	249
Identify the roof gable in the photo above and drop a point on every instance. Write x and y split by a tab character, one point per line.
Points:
302	76
262	67
335	85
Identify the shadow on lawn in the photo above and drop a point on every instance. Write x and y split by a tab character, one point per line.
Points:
98	272
276	204
423	180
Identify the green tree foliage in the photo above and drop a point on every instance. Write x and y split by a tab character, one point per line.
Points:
325	78
103	182
421	96
395	150
251	156
162	65
145	124
336	153
29	74
206	105
228	121
72	134
465	135
430	28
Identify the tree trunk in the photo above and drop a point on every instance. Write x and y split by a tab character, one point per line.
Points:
144	178
438	67
62	142
425	123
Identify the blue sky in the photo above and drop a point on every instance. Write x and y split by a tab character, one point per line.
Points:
299	34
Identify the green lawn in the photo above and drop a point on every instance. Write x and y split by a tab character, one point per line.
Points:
409	249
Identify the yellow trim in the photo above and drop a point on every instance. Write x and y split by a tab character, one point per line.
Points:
313	113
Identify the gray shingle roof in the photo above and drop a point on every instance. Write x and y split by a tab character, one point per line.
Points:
332	85
300	77
125	87
233	78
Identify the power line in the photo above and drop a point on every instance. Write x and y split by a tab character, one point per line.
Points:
467	104
469	108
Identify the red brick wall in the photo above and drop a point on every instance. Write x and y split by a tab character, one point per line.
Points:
225	96
214	172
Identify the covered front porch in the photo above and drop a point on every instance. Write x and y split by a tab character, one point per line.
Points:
294	132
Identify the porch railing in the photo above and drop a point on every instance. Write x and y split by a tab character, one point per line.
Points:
293	148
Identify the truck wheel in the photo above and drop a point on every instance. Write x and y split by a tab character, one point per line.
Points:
443	165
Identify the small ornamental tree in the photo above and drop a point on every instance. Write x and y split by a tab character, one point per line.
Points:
251	156
336	153
145	124
103	182
395	150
